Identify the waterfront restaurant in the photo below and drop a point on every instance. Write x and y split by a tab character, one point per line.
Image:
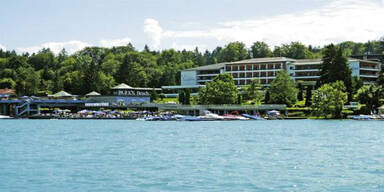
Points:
124	94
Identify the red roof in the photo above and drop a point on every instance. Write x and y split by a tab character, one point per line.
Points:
7	92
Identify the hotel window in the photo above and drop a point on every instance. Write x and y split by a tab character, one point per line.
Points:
242	67
235	67
242	75
248	82
262	81
249	74
255	67
228	68
242	82
255	74
270	66
270	73
262	74
249	67
262	67
234	75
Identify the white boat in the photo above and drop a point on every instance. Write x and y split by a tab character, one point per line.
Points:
209	116
5	117
363	117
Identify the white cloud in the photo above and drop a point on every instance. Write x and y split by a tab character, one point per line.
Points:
154	31
56	47
340	20
2	47
115	42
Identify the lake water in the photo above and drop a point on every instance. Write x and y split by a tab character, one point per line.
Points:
117	155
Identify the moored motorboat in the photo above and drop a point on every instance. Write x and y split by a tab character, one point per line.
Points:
253	117
234	117
363	117
5	117
209	116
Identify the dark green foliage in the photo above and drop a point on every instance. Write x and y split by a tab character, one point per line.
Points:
7	83
153	96
283	90
380	80
295	50
329	99
335	68
239	99
267	97
235	51
308	96
260	50
181	97
221	90
187	97
300	94
370	95
98	69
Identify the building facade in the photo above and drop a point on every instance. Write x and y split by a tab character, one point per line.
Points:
124	94
243	72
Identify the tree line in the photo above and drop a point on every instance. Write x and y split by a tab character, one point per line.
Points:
98	68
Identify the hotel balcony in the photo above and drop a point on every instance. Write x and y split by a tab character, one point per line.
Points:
370	76
257	70
204	80
208	75
370	69
251	78
307	77
307	70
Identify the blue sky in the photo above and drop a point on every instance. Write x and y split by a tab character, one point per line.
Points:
73	24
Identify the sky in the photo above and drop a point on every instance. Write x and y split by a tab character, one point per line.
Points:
28	26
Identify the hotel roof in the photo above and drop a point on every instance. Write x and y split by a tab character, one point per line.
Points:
93	93
61	94
263	60
122	86
125	86
207	67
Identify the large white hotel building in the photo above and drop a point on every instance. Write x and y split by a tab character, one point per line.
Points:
266	70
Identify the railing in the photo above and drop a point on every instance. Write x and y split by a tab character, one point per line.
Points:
23	108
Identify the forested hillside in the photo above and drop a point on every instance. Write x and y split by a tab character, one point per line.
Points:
98	69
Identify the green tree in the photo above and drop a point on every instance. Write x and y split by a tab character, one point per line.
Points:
267	97
370	96
181	97
300	94
335	68
260	50
131	72
253	91
329	99
153	96
43	59
283	90
221	90
7	83
380	80
308	96
187	97
234	51
27	82
295	50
